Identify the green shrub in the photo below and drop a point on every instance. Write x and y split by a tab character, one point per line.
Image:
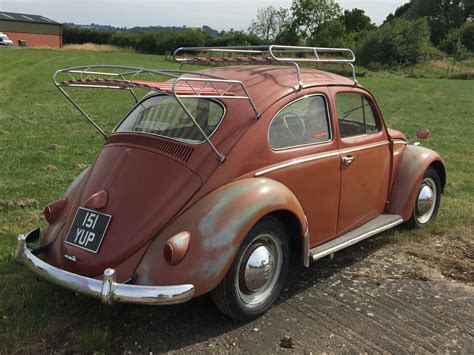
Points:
124	40
397	42
459	39
80	36
159	42
234	38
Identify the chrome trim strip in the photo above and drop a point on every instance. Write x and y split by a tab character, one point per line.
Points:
317	157
107	289
399	142
297	161
306	244
364	147
324	252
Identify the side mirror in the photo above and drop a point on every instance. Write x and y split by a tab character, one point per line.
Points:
423	133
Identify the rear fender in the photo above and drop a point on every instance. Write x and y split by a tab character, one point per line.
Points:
50	236
410	170
217	225
74	189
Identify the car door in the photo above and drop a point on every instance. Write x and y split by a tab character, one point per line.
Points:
302	141
364	151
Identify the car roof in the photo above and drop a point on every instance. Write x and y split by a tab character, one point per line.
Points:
267	84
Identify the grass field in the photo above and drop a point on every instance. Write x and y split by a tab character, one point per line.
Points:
44	144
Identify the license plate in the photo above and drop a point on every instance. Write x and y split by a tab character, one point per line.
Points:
88	229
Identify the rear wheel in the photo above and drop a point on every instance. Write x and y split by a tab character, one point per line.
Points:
427	200
258	273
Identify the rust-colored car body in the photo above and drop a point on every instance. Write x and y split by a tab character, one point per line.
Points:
156	188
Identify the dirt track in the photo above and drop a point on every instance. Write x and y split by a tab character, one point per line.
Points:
363	300
373	297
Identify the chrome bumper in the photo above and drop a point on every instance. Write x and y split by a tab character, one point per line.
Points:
107	289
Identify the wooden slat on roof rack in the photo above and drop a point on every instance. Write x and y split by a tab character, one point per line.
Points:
166	87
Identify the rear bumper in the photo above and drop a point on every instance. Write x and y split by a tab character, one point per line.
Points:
106	289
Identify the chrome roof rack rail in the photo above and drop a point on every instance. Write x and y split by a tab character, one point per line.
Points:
268	54
180	84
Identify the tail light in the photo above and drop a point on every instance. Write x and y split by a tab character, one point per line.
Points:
54	209
176	248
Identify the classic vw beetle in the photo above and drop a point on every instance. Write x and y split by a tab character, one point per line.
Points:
216	176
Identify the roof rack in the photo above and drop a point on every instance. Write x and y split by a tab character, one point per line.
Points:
183	83
193	84
268	54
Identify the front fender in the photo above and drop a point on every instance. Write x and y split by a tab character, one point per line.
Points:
217	224
410	170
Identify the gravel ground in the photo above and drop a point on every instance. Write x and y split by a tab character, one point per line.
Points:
375	297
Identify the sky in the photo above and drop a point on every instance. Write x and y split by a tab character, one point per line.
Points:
218	14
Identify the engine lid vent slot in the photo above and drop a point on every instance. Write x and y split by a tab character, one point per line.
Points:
172	149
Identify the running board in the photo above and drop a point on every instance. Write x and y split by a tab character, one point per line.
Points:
375	226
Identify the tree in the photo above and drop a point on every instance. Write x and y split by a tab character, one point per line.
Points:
331	34
397	42
443	15
399	12
270	22
456	40
289	36
309	15
356	20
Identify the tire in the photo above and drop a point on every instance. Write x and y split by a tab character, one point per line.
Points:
427	200
243	294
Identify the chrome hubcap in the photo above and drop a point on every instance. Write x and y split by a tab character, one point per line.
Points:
426	200
260	268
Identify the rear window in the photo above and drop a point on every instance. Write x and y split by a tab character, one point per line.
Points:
164	116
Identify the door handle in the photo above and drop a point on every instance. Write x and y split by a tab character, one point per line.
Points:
348	159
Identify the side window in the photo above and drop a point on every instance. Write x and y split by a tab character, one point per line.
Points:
355	115
301	123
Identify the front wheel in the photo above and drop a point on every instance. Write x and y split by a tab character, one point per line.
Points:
258	273
427	200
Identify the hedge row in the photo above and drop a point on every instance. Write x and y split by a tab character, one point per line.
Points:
159	42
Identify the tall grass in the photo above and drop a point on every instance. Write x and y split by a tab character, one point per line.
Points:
92	47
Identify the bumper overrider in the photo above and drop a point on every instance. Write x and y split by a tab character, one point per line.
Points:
106	289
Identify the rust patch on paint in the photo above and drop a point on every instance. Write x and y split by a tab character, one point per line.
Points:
414	162
217	225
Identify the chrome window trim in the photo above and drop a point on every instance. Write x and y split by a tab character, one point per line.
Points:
318	156
328	116
358	136
184	141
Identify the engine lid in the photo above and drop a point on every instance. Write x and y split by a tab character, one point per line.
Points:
140	191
